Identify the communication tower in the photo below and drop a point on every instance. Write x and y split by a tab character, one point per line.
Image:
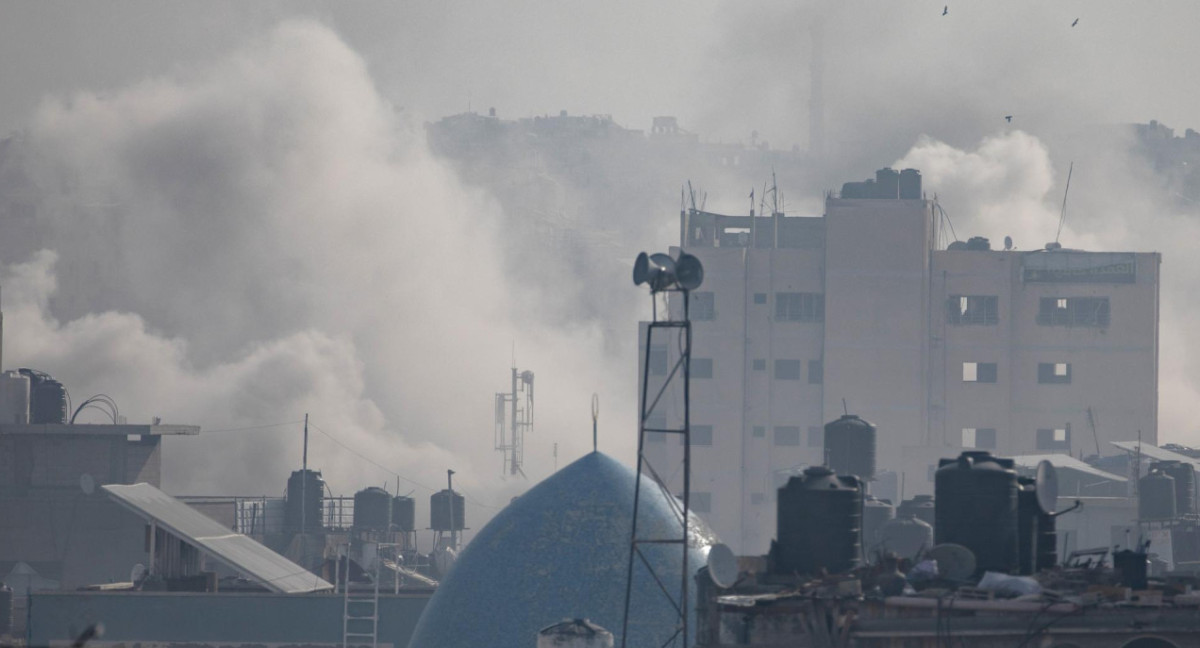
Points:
514	419
665	276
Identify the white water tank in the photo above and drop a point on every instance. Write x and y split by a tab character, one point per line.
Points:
14	398
574	633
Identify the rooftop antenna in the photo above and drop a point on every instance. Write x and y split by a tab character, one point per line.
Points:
514	419
845	409
304	480
595	423
1092	423
1062	218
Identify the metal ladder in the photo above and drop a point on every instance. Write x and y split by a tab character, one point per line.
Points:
365	606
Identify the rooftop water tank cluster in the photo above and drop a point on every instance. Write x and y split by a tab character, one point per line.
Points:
887	184
1006	521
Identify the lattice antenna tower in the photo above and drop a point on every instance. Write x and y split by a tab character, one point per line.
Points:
514	420
671	276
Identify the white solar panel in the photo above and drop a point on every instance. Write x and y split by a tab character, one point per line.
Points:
240	552
1154	452
1065	461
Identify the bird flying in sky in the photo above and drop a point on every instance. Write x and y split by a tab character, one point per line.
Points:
945	10
1008	118
1075	23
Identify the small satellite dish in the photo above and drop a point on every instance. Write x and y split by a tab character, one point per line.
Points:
1047	487
955	562
87	484
1008	243
137	573
641	269
689	270
722	565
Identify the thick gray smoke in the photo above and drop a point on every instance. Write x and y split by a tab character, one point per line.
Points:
239	243
1011	184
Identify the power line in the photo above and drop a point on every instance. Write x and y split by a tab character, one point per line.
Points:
253	427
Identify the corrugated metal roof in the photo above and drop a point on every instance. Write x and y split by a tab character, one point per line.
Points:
1155	452
240	552
1065	461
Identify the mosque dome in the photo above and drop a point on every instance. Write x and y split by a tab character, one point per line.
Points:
561	551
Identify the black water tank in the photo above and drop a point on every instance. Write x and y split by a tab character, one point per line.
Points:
910	184
1156	496
305	501
372	509
977	508
850	447
920	507
446	511
905	536
47	397
1027	525
404	513
6	610
887	183
876	513
1047	542
819	523
1185	484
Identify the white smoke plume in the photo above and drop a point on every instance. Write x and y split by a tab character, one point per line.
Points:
239	243
1008	185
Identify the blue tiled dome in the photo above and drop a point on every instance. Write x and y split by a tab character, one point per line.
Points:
561	552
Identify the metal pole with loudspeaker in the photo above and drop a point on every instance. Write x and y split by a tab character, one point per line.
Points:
669	276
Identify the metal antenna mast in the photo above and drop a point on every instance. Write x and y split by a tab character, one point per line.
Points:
514	419
1062	217
673	276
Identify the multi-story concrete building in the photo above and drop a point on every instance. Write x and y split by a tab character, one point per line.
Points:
1020	352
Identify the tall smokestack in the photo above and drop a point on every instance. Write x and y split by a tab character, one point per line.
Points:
816	101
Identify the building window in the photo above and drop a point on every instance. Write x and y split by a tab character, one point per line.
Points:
787	435
760	298
984	438
973	309
982	372
816	372
1054	373
1056	439
700	502
702	307
760	431
702	368
757	499
816	436
799	307
701	435
760	364
658	360
1073	311
787	369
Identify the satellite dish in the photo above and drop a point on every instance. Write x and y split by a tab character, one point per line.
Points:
87	484
1008	243
662	271
722	565
689	270
137	573
954	561
1047	487
641	269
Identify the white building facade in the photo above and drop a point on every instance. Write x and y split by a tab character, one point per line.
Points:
1018	352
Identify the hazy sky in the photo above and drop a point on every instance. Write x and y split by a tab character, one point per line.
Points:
263	176
894	70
